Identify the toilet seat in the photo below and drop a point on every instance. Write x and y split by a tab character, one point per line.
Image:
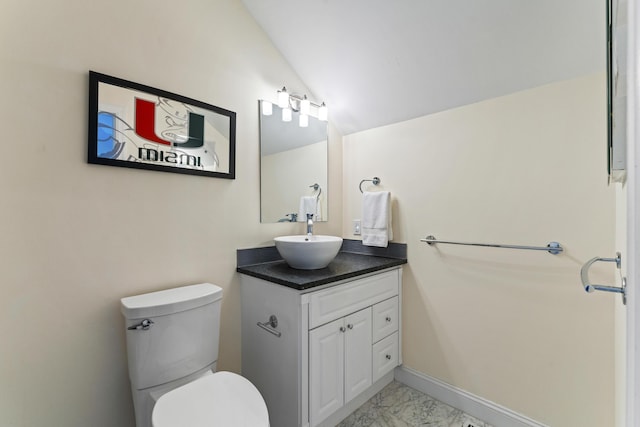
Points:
222	399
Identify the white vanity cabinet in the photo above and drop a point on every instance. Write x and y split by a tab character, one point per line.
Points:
339	363
337	345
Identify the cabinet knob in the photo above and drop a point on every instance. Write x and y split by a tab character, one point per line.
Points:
342	329
388	356
388	319
350	326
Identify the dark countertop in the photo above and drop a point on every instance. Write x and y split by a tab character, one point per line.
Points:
353	260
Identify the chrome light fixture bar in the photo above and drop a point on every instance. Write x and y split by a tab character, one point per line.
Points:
300	104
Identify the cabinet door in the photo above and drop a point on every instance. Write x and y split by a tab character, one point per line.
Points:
326	370
357	353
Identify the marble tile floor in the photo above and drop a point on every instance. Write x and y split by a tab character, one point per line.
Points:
398	405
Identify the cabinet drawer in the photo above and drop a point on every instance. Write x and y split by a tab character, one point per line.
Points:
385	318
385	356
340	300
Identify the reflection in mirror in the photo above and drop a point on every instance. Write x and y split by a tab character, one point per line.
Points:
293	167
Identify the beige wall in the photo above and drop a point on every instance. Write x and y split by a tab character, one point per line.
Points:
75	237
513	327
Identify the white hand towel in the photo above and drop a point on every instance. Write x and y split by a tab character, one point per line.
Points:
318	216
308	205
376	218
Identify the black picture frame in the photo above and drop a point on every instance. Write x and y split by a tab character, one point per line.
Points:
138	126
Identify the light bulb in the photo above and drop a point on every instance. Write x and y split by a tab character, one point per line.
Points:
267	108
304	120
283	98
322	112
286	114
305	106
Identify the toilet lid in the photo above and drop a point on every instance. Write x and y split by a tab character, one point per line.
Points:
222	399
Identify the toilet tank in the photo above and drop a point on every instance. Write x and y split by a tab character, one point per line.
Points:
182	339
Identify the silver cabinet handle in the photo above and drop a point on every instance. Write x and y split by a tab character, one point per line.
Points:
388	319
142	326
342	329
388	356
270	325
350	326
590	287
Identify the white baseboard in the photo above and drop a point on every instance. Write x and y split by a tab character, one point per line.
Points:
475	406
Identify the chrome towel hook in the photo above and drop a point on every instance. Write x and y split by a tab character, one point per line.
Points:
375	181
590	287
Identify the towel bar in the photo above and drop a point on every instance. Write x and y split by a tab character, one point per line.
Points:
271	325
553	248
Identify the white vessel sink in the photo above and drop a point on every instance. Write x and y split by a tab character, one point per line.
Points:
308	253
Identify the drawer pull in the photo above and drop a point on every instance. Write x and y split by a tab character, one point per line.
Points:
342	329
388	319
350	326
388	356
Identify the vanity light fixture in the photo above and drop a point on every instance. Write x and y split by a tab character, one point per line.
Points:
305	106
286	114
267	108
300	104
322	112
283	98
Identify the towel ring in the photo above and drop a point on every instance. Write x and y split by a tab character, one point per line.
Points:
316	187
375	181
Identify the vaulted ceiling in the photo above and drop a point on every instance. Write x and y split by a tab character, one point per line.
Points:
377	62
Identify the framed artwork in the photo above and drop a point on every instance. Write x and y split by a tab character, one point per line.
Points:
136	126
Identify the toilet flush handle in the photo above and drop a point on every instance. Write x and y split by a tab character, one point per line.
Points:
144	325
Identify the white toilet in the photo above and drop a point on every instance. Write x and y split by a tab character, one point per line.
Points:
172	347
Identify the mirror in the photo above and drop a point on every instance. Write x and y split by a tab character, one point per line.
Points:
293	167
616	89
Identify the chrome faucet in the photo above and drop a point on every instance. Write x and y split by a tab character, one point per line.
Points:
309	225
292	217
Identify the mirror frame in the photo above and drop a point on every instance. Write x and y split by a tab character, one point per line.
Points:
616	90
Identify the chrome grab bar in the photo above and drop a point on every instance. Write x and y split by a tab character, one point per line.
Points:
270	325
590	287
553	248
